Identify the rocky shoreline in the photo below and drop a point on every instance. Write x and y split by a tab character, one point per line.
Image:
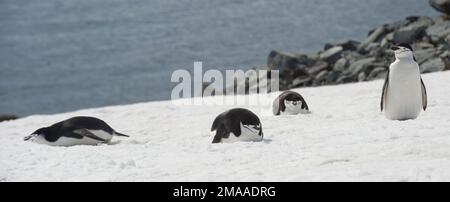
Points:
356	61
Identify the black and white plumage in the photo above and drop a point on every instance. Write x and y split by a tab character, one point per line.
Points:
404	94
237	125
79	130
289	103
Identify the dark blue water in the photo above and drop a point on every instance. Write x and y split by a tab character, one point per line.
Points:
58	56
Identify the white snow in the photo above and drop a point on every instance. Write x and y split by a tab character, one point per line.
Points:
345	138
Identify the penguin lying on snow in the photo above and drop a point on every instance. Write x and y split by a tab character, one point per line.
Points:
404	94
75	131
289	103
237	125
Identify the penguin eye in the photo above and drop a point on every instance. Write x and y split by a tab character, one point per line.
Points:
257	127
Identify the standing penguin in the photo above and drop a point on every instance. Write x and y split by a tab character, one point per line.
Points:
289	103
237	125
79	130
404	94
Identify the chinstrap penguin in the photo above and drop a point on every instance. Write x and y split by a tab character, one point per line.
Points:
404	94
237	125
75	131
289	103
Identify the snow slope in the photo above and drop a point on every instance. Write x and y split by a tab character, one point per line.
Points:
345	138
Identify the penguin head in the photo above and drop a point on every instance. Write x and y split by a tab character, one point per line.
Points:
402	50
38	135
251	129
293	107
292	103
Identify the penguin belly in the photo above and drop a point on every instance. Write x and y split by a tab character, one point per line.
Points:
244	137
69	141
404	96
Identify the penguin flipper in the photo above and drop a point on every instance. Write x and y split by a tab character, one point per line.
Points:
384	92
424	95
87	133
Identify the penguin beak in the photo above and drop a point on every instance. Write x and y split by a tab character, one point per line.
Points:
29	137
394	48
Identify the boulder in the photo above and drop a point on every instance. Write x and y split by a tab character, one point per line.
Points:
332	54
422	55
376	72
340	65
321	76
442	6
433	65
373	37
318	67
439	31
305	81
282	60
359	66
412	31
350	45
8	117
345	79
332	77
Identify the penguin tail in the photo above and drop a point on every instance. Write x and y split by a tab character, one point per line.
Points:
120	134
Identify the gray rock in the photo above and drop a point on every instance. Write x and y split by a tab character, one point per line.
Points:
413	30
387	40
318	67
321	76
442	6
298	82
375	73
282	60
8	117
439	31
332	54
340	65
433	65
376	35
352	56
422	45
350	45
423	55
361	76
345	79
332	77
359	65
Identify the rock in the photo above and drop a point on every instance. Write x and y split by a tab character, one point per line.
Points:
318	67
413	30
375	72
281	60
373	49
433	65
423	55
8	117
359	66
442	6
361	76
373	37
332	77
298	82
350	45
422	45
387	40
321	76
332	54
439	31
340	65
345	79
